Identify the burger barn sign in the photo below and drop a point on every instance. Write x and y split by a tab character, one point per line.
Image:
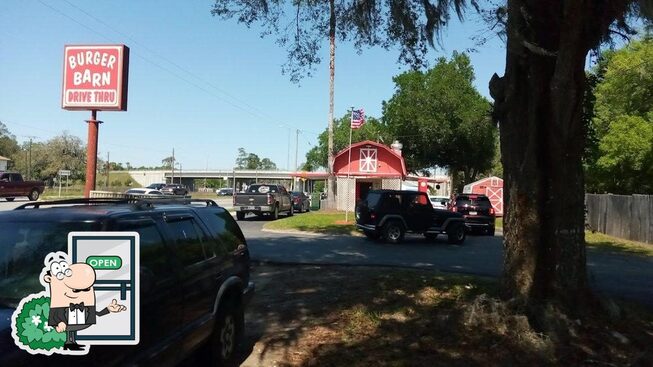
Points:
95	78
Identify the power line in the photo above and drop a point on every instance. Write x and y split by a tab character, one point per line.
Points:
239	103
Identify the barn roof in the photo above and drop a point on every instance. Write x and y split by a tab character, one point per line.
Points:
378	145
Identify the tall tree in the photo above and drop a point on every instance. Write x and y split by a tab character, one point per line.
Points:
621	151
442	120
252	161
538	104
8	144
167	162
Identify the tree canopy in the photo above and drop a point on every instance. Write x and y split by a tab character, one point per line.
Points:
252	161
301	27
8	144
442	120
622	122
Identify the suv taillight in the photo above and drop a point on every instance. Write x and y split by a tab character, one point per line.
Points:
372	216
454	209
270	199
491	211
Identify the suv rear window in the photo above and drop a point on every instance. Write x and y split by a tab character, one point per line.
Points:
474	200
23	246
261	189
373	199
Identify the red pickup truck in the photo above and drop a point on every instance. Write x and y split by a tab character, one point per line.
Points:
12	185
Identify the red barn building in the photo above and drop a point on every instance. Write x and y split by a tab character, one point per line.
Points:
492	187
372	166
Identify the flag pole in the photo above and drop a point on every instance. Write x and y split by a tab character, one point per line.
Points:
351	121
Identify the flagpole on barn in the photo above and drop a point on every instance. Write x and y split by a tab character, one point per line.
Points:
351	129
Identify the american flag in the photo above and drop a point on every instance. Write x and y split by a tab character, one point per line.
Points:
357	118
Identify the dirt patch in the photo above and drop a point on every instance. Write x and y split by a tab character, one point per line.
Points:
367	316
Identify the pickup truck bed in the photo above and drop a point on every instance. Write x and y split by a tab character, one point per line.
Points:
263	199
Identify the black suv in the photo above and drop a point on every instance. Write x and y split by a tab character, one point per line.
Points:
477	210
174	189
389	214
194	275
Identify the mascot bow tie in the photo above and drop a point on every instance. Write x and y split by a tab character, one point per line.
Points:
77	306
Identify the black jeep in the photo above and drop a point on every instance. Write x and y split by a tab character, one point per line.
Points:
389	214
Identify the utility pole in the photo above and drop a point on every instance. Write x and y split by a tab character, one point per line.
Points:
331	187
29	168
295	168
108	167
172	179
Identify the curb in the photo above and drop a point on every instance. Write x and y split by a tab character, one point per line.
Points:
308	233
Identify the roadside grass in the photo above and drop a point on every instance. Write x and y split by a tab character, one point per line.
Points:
498	222
605	242
326	222
372	316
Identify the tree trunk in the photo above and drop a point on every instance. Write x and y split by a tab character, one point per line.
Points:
331	199
539	105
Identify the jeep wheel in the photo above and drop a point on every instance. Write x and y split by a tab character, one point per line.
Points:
240	215
291	212
393	231
456	233
227	334
275	213
372	235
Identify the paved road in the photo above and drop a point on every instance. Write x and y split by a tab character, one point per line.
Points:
611	273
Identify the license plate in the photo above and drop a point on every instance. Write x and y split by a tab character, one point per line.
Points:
472	213
248	208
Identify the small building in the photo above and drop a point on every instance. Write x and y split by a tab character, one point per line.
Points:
371	166
492	187
4	162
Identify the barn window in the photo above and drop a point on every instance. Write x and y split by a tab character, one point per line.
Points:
368	160
494	182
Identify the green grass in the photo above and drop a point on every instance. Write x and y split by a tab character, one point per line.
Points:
605	242
319	222
498	222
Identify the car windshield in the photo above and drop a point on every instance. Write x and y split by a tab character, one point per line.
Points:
23	246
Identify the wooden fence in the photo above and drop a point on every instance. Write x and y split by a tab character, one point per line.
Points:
628	217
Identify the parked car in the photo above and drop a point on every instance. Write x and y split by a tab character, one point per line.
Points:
263	199
300	201
194	275
12	185
155	186
144	192
477	210
225	192
390	214
440	202
174	189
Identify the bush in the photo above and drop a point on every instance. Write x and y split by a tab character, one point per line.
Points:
32	329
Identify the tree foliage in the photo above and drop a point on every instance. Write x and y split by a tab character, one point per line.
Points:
252	161
621	148
373	129
301	27
442	120
63	151
8	144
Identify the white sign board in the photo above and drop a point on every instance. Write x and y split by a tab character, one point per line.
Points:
64	172
115	257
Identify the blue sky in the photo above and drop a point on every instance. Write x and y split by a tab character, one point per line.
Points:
202	86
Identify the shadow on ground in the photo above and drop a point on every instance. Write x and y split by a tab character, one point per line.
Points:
364	316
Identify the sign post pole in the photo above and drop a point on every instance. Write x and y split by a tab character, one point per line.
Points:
91	153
